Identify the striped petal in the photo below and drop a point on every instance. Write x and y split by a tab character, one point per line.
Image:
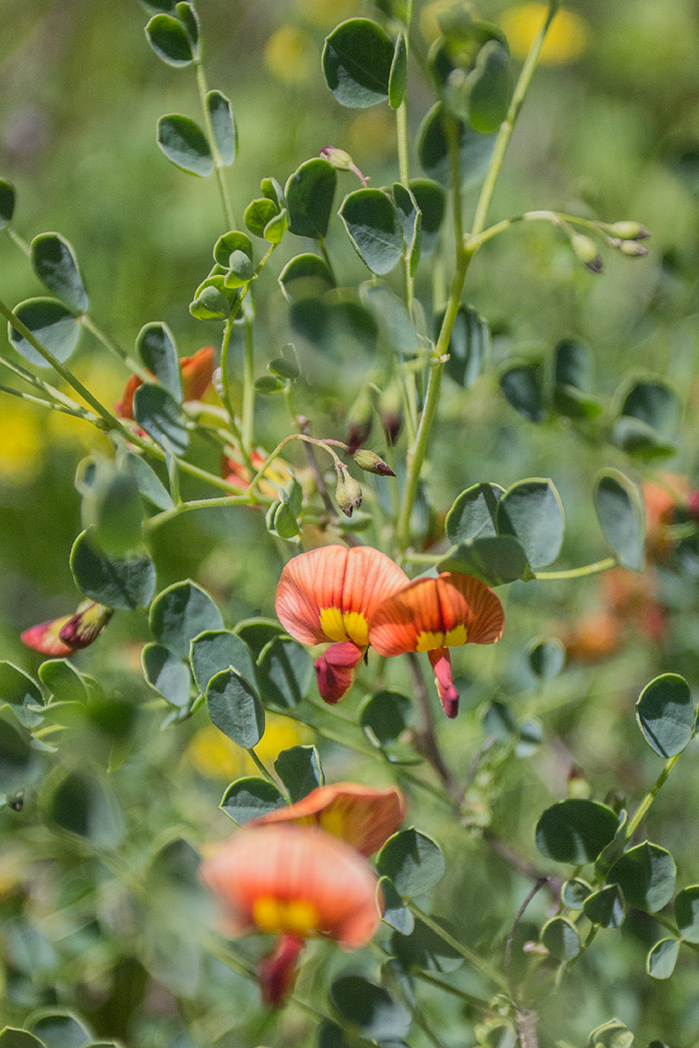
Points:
197	373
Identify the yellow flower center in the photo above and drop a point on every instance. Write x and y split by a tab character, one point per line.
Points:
345	625
277	916
427	641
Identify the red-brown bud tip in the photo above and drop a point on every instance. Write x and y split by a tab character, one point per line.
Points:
335	670
372	463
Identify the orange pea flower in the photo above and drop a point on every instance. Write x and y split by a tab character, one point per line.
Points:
294	882
434	615
197	373
234	470
361	816
69	633
330	594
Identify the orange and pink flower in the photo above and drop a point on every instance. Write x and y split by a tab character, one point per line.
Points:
197	373
61	637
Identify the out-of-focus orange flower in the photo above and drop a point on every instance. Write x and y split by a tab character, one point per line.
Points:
295	882
633	599
434	615
361	816
669	500
593	638
234	470
69	633
197	373
330	594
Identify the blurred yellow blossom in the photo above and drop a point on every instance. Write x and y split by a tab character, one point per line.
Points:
214	755
565	41
372	134
291	55
21	441
327	13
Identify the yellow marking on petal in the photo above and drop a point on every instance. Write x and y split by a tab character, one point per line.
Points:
333	821
296	917
456	637
427	641
348	625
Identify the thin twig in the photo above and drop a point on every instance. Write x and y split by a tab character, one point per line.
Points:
518	917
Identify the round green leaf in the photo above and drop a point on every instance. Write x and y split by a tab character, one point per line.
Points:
79	803
561	939
575	830
156	347
216	650
61	1030
621	516
63	681
112	507
638	438
180	613
161	416
372	223
56	266
655	404
574	893
410	222
185	144
547	658
223	125
300	770
283	368
309	196
235	708
423	948
605	907
369	1008
412	860
250	798
240	272
473	513
357	60
475	149
646	875
148	481
522	387
18	761
662	958
384	717
232	241
7	203
11	1037
276	227
394	913
398	76
496	559
51	323
687	913
168	38
469	346
268	384
257	633
488	87
166	674
665	714
19	691
210	301
285	672
126	583
531	510
572	365
432	202
306	276
258	213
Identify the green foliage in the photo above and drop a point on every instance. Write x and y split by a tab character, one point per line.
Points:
358	60
412	861
56	266
185	144
117	582
300	771
251	798
235	709
54	325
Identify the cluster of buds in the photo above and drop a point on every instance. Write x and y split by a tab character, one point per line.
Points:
626	237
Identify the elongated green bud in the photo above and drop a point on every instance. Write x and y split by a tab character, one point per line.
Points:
632	249
348	493
626	230
372	463
586	250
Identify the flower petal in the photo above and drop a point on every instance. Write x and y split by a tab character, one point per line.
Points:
335	670
277	971
197	373
448	694
46	638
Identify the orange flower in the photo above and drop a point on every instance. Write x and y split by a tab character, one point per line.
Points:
593	638
330	594
69	633
234	470
197	372
359	815
434	615
295	882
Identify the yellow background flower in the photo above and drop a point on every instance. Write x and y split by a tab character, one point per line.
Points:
565	41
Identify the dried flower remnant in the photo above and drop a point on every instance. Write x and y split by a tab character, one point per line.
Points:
61	637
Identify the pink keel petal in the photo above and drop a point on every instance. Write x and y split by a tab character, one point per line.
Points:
277	971
335	670
448	694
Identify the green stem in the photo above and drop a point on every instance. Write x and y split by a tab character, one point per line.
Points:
225	388
650	797
219	166
77	413
280	447
60	398
186	507
248	415
473	959
576	573
326	257
260	767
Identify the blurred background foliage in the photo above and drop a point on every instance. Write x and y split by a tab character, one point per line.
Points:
610	130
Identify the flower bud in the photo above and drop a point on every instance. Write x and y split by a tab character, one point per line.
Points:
632	249
359	420
342	161
372	463
626	230
348	493
586	250
390	409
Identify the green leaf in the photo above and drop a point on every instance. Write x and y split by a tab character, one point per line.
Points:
475	149
432	202
300	770
309	196
371	221
662	958
306	276
614	850
473	513
357	60
156	347
276	228
469	346
411	223
180	613
185	144
112	507
283	368
18	761
241	270
19	691
665	714
547	658
384	717
412	860
53	324
78	803
369	1008
216	650
257	633
148	481
488	87
606	907
230	242
687	913
267	384
223	125
189	19
210	301
621	516
656	405
11	1037
250	798
161	416
62	681
398	75
258	213
126	583
561	939
285	672
61	1030
168	38
7	203
574	893
166	674
235	708
495	560
522	387
394	913
638	438
56	266
613	1034
572	365
423	948
646	875
531	510
575	830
